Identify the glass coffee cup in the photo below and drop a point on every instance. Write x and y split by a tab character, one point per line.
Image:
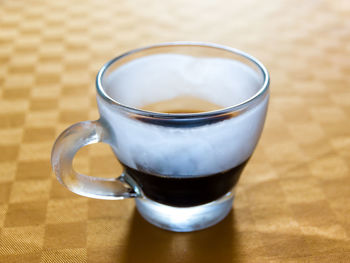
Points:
183	119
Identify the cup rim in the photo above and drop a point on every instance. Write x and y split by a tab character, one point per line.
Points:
236	108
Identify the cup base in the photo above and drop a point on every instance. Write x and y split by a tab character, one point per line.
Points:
179	219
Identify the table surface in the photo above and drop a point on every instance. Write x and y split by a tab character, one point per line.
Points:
292	202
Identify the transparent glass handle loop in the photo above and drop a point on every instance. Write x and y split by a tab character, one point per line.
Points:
63	152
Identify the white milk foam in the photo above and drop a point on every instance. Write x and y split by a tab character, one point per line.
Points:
183	152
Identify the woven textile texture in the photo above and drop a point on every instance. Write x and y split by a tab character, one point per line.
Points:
293	199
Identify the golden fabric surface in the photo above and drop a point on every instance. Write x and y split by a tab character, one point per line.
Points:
293	199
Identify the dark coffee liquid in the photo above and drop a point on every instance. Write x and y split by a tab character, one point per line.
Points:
188	191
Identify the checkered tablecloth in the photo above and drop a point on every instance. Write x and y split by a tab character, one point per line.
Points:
293	200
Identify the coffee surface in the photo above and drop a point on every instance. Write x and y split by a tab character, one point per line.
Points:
182	104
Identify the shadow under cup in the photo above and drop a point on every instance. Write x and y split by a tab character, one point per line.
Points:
181	167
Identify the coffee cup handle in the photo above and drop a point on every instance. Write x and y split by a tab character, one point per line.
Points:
63	152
